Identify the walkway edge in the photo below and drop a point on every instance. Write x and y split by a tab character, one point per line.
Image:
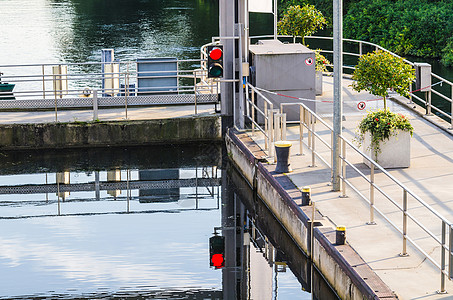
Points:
342	267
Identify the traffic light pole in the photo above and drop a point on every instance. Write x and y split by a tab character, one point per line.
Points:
337	90
232	17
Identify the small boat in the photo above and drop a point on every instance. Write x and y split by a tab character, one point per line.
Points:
6	89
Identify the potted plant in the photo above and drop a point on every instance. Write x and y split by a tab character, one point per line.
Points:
385	135
320	67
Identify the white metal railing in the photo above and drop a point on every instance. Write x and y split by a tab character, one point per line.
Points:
32	86
444	95
438	230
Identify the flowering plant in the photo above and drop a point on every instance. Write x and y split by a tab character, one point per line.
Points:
381	124
321	61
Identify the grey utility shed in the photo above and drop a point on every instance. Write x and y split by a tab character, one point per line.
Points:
287	69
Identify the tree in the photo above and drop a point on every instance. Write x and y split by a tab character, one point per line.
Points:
379	71
301	21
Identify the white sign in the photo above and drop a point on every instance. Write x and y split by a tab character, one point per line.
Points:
361	105
309	61
263	6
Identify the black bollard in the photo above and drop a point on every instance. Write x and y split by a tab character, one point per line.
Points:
306	196
340	235
282	153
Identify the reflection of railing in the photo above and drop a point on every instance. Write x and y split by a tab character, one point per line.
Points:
190	188
107	186
440	87
429	231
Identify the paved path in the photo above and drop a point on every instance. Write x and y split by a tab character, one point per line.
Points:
430	176
113	114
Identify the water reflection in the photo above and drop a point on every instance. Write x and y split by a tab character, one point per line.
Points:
76	30
131	227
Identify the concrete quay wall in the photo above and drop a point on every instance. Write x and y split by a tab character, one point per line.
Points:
346	272
110	133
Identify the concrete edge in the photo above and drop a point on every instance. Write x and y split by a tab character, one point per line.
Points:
110	133
343	276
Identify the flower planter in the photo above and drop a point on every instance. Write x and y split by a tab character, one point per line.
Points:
318	83
395	152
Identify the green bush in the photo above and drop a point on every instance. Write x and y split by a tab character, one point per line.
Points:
407	27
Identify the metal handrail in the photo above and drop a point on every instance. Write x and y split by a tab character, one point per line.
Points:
442	266
428	104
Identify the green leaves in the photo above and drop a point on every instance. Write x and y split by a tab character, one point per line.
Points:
379	71
407	27
321	61
301	21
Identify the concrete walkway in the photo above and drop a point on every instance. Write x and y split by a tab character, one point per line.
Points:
112	114
430	176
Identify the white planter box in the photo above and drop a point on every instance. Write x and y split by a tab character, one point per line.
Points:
395	152
318	83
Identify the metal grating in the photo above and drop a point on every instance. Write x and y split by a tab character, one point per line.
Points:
148	100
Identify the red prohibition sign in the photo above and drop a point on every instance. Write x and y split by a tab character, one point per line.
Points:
361	105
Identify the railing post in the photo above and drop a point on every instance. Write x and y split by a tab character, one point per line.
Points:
410	94
313	148
266	125
301	128
277	126
428	105
95	105
404	253
372	222
43	83
360	48
270	134
331	156
283	118
309	130
442	259
450	254
195	89
451	109
253	112
343	169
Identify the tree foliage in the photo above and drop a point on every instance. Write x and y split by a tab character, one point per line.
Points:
301	21
379	71
408	27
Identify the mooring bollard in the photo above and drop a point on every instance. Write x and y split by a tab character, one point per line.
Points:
340	235
282	152
306	196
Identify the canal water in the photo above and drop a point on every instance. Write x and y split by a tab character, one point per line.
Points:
135	223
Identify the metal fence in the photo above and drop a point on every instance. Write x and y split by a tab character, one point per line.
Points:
111	84
418	223
437	97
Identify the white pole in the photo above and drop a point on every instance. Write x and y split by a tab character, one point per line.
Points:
275	19
337	95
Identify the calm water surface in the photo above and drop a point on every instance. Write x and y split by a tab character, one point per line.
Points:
92	239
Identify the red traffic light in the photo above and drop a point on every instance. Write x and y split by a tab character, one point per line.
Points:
217	251
215	53
215	61
218	261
